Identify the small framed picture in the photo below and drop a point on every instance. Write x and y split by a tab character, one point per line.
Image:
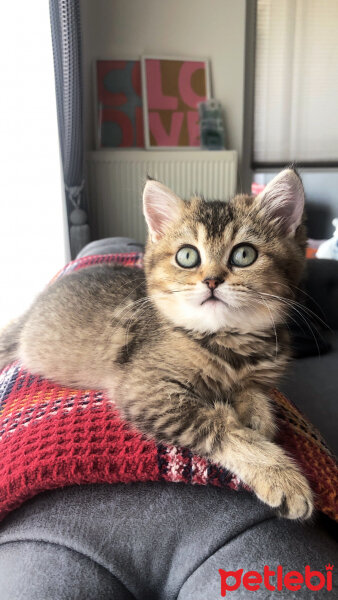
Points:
172	89
118	104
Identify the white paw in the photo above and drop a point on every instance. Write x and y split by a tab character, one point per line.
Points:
288	490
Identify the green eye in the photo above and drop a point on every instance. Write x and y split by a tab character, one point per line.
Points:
243	256
188	257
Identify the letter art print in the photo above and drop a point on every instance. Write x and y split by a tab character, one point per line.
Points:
119	117
172	90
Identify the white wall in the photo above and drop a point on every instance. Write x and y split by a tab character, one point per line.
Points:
214	29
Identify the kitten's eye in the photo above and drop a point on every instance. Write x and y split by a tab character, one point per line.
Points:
243	256
188	257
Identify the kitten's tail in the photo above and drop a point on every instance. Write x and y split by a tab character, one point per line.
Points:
9	341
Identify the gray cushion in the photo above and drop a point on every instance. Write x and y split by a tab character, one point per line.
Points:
111	245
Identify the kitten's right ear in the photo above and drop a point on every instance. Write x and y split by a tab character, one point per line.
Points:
283	200
161	208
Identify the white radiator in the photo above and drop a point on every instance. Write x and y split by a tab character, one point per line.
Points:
116	179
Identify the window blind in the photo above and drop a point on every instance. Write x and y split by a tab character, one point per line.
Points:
296	81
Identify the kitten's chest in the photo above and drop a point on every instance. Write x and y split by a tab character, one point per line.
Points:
210	369
217	370
218	366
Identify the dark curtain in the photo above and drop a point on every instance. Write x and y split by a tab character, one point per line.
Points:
66	39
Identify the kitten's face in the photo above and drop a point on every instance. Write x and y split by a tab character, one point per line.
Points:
217	265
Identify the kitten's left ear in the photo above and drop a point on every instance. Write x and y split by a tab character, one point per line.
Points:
283	199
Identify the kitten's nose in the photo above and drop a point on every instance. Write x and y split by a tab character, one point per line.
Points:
213	282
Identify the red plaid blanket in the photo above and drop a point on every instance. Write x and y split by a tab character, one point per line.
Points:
52	436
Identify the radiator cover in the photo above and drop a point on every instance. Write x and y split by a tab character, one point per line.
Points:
116	179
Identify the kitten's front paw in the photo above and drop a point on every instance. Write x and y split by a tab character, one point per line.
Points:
254	410
288	490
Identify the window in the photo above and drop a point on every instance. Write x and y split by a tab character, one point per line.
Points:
296	83
32	221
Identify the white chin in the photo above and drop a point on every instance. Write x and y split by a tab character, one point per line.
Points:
214	316
205	318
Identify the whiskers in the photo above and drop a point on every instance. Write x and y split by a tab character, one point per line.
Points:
289	310
272	323
314	315
244	308
294	307
251	302
135	311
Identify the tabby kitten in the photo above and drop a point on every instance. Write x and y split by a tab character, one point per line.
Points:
188	350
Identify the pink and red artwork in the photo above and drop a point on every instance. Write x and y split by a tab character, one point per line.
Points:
172	90
119	104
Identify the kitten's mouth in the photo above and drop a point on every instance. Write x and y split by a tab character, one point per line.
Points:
213	300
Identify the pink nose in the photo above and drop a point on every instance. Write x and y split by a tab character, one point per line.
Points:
213	282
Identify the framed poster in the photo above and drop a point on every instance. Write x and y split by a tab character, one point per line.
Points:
172	89
118	104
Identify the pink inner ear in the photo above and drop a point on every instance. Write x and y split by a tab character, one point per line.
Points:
290	213
284	198
161	208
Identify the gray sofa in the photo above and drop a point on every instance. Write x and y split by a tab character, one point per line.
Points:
312	381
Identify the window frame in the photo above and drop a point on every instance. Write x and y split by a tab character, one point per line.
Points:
249	165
